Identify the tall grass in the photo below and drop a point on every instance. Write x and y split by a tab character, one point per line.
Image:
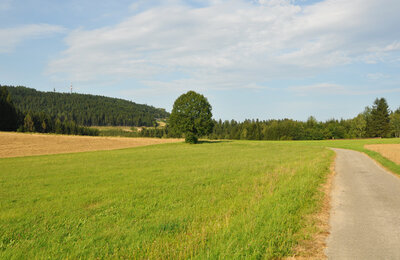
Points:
237	199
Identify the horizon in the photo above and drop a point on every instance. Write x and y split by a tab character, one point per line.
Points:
266	59
216	119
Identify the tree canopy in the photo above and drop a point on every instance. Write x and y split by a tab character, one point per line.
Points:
12	119
87	110
191	115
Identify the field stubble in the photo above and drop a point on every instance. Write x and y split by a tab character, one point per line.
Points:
25	144
390	151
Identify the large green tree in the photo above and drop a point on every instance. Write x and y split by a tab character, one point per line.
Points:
378	123
191	116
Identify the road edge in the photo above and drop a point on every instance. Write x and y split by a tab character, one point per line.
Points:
314	248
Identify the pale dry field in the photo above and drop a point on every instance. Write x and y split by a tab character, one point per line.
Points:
23	144
390	151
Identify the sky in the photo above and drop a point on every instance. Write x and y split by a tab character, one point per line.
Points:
265	59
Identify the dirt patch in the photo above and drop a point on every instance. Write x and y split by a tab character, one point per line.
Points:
314	248
390	151
22	144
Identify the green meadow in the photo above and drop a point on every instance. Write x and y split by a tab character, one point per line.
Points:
229	199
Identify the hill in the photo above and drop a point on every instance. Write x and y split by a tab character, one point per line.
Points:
84	109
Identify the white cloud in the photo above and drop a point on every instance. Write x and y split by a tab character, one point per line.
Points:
376	76
320	88
11	37
232	43
336	89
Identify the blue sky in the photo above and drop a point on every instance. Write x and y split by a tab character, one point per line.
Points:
251	58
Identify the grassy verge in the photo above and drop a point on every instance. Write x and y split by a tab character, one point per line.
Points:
214	200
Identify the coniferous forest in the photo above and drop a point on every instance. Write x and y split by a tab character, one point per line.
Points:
13	119
83	109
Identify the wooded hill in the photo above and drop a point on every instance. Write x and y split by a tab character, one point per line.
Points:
84	109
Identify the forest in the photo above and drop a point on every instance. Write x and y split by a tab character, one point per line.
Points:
374	122
13	119
83	109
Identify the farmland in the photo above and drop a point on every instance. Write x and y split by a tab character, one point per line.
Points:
252	199
390	151
24	144
172	201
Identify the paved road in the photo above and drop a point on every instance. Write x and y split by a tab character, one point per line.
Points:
365	214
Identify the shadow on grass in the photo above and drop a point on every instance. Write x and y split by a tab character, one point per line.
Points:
213	141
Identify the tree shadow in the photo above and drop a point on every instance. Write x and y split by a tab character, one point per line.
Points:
213	141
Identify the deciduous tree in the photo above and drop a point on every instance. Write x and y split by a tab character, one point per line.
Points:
191	115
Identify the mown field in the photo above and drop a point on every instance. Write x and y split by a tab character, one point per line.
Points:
213	200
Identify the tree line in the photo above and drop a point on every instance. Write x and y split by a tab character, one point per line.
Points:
13	119
375	121
86	110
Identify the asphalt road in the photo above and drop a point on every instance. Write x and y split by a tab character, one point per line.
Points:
365	213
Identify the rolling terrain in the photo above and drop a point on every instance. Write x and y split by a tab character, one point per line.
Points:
84	109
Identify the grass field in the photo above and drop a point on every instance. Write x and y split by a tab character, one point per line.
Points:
218	200
230	199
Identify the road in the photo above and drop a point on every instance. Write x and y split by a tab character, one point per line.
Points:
365	213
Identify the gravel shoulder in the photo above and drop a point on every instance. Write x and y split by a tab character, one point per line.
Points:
365	213
23	144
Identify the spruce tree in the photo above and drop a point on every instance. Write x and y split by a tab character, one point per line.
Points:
378	124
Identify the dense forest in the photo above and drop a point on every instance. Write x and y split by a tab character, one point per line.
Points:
13	119
83	109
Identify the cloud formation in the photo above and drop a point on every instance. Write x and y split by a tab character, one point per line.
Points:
232	44
336	89
11	37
